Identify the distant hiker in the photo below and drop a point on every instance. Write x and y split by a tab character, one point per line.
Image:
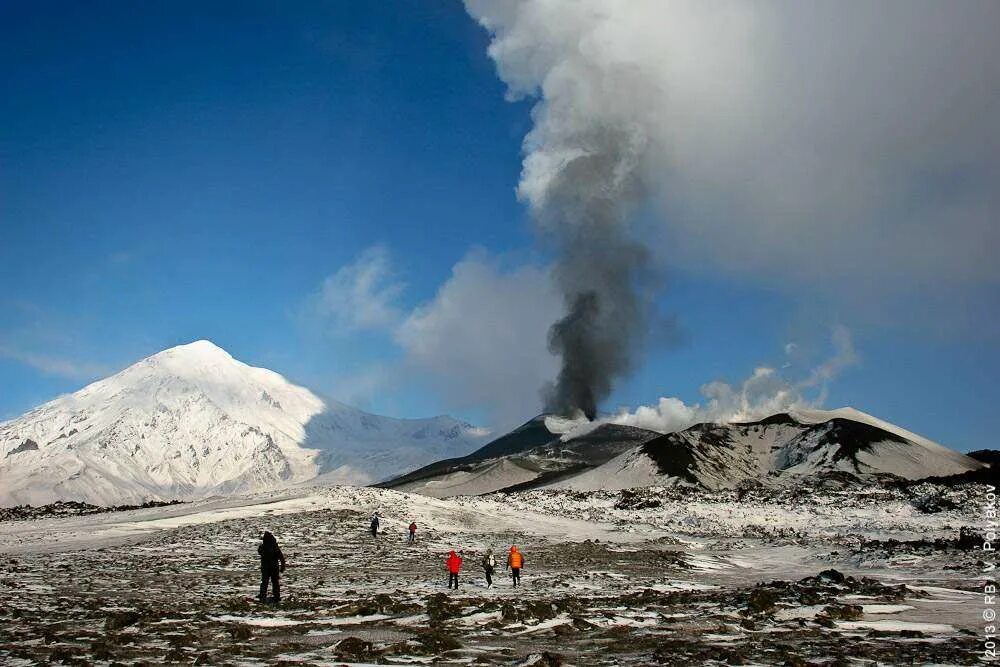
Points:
489	565
515	561
454	564
413	533
374	526
271	562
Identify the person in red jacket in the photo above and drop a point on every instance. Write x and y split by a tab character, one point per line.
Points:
454	564
413	532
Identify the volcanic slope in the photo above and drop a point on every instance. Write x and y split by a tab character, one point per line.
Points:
844	446
535	453
192	421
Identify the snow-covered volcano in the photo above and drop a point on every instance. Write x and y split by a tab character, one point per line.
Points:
538	452
547	452
845	443
192	421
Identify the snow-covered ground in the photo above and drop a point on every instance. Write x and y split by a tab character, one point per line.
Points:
631	577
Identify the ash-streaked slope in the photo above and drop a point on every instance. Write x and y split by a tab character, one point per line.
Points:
780	449
191	422
536	453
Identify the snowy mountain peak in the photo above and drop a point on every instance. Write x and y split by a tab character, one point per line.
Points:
192	421
199	351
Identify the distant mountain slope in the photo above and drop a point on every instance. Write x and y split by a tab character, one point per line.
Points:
530	434
778	450
192	421
531	455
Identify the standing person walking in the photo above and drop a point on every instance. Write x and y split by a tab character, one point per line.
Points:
454	564
272	561
489	565
374	524
515	561
413	532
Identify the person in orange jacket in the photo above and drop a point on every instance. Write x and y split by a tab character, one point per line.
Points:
515	561
454	564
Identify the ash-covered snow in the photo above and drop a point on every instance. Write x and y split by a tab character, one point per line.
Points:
845	446
638	576
783	449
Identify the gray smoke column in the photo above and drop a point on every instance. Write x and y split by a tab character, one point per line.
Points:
581	180
603	275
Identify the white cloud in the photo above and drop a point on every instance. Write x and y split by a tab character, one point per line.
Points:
53	365
765	392
482	340
361	296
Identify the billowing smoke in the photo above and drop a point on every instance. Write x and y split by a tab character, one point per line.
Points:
820	144
581	179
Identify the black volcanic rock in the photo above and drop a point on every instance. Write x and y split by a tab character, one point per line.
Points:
990	456
526	436
851	437
28	445
673	457
780	418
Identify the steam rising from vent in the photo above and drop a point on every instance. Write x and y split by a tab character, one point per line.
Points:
765	392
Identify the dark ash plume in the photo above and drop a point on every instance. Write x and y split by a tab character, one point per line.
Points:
606	315
603	274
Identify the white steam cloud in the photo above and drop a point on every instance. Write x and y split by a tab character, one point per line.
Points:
766	392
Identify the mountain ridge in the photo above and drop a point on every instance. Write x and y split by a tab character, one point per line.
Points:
843	443
777	450
192	421
536	452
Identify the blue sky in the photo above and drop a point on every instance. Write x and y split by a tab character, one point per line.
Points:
184	172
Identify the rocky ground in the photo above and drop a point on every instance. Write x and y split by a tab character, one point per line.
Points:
648	577
71	508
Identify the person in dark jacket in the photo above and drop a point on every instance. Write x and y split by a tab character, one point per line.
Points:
272	561
374	525
489	565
